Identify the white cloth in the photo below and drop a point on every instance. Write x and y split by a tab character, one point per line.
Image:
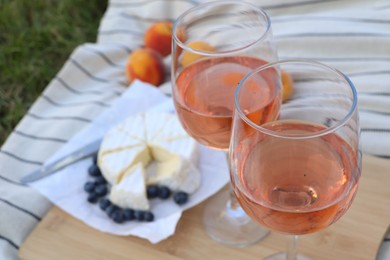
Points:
351	35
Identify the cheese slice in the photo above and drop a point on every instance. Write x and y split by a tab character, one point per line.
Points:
130	191
151	137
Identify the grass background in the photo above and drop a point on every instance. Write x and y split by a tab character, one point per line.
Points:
36	38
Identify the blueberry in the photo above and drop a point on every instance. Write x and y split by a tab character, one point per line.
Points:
101	190
180	198
111	209
89	186
148	216
104	203
139	215
100	180
128	214
92	197
164	192
117	216
94	158
94	170
152	191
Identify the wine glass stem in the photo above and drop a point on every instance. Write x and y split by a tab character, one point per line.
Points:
234	205
233	202
292	248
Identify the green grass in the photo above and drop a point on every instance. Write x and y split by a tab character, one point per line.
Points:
36	38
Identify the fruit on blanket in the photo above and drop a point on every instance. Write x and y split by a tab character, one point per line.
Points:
111	209
92	197
148	216
181	36
189	57
104	203
159	37
117	216
89	186
146	65
164	192
128	214
180	197
287	88
139	215
181	33
94	171
101	190
100	180
152	191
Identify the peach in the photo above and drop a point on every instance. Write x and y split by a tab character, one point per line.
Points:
287	88
159	37
146	65
188	57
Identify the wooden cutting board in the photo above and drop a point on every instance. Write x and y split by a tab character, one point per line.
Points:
356	236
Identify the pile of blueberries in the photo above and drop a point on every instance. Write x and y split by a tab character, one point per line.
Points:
99	188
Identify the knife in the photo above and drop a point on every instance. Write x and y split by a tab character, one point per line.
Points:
82	153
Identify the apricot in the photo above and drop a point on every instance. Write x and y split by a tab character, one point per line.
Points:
159	37
189	57
146	65
287	86
181	33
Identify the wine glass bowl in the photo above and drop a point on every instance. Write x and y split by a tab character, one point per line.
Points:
299	173
215	45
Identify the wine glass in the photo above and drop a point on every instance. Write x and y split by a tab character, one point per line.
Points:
214	46
299	173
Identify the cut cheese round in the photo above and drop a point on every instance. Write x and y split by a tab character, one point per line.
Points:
145	138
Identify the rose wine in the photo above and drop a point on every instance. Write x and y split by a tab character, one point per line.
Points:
295	186
204	97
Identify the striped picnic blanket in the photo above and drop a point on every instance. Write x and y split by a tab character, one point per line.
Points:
351	35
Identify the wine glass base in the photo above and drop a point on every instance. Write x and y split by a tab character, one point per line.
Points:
227	223
283	256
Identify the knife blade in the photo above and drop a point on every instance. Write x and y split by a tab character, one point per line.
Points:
82	153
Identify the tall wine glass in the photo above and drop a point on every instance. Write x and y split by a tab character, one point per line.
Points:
214	46
299	173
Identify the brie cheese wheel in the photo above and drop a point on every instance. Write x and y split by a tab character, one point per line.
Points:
130	191
151	137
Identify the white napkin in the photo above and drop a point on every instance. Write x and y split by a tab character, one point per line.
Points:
65	188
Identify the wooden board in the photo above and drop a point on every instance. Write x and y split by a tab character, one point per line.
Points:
356	236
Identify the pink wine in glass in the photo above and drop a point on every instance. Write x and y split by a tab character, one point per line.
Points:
205	98
296	186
